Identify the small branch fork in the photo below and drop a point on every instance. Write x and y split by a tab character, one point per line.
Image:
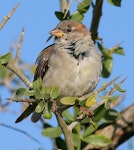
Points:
14	67
73	124
6	18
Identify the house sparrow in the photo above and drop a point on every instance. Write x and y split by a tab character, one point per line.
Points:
72	63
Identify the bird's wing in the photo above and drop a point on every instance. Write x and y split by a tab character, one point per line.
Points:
42	62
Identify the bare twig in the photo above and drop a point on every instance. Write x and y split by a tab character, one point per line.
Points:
21	131
19	48
99	90
6	18
106	98
67	8
14	67
63	5
29	100
19	74
115	46
118	100
66	131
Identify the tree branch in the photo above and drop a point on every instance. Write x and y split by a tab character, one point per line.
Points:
66	131
120	131
19	74
14	67
97	13
63	5
103	101
6	18
82	98
17	57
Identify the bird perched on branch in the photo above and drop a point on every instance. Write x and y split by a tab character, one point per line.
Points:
72	63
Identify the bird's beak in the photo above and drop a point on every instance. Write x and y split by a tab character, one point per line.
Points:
56	32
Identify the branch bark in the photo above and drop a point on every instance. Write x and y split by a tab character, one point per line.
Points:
66	131
97	13
6	18
63	5
120	131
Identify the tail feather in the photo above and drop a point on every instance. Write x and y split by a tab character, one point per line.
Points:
26	113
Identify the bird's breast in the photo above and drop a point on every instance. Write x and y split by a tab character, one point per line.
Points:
72	78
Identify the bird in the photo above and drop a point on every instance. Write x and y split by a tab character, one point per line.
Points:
72	62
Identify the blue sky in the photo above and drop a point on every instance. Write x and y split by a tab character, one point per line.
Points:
37	17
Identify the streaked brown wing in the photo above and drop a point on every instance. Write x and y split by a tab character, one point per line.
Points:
42	62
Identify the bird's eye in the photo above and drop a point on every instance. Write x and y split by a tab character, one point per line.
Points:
69	29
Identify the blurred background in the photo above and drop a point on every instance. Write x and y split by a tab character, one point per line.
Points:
38	18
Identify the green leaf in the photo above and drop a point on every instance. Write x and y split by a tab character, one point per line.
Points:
106	53
119	88
99	113
97	140
40	107
83	6
110	116
46	96
90	129
77	129
20	92
30	93
113	99
115	2
60	15
119	51
3	71
76	110
77	16
54	92
37	83
76	140
68	117
107	67
38	94
68	100
91	101
52	132
47	112
5	58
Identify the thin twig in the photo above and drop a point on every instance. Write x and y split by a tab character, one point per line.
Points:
29	100
73	124
111	92
6	18
115	46
67	8
118	100
19	48
19	74
63	5
99	90
21	131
